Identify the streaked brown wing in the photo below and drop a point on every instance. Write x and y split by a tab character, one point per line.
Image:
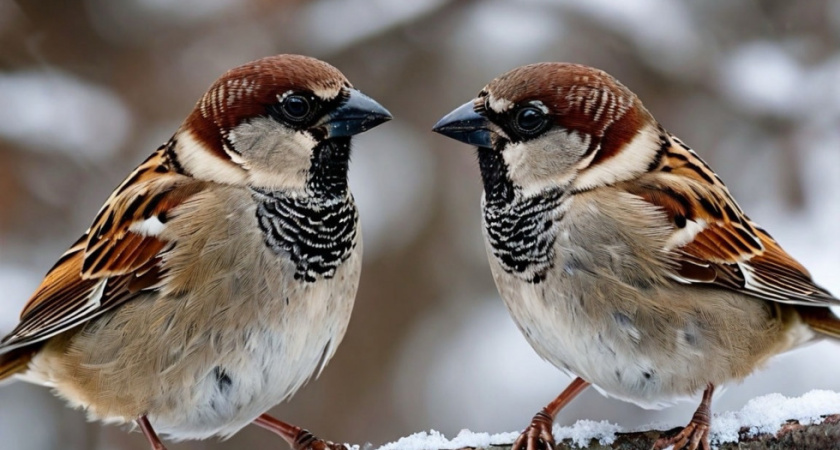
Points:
115	260
714	242
66	299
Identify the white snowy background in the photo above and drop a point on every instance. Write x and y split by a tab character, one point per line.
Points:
88	88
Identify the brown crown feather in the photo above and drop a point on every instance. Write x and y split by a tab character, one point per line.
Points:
245	91
579	98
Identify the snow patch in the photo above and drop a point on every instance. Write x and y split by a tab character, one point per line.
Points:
433	440
581	433
584	431
763	415
766	414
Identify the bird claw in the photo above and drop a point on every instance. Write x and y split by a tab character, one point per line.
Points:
691	437
537	436
307	441
326	445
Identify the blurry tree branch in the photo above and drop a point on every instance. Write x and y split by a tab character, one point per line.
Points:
792	435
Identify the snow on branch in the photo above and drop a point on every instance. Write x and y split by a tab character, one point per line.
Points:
772	421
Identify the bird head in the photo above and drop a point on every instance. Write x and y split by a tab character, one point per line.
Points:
555	125
281	122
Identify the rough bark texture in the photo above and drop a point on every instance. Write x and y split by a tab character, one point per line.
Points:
824	436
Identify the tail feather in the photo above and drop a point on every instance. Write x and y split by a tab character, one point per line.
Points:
821	320
15	361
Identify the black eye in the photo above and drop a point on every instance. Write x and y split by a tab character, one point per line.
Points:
296	108
530	121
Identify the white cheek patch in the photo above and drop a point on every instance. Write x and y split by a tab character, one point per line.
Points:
198	161
304	141
520	162
514	155
149	227
273	155
545	162
631	161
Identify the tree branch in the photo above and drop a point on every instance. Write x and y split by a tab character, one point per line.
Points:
792	435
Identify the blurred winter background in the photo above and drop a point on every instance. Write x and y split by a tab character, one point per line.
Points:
88	88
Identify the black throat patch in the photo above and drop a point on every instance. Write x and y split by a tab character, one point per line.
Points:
520	231
318	230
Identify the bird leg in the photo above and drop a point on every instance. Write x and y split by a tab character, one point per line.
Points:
297	437
150	434
538	434
696	433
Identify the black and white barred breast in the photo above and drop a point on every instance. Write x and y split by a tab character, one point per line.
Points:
521	234
520	230
317	234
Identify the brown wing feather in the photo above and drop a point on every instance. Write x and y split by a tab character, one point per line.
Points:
15	361
117	244
114	260
713	241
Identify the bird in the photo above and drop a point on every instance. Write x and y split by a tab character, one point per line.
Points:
620	254
220	275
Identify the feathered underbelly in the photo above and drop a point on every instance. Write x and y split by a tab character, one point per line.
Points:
269	364
574	344
195	368
638	352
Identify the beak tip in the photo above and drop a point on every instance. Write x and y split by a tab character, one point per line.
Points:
357	115
376	118
465	125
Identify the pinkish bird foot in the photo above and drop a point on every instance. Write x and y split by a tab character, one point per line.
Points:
297	437
537	436
696	434
693	436
307	441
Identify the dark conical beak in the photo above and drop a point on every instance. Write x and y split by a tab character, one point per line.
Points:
466	125
357	114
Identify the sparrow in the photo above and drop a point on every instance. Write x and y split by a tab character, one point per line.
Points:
620	254
220	275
